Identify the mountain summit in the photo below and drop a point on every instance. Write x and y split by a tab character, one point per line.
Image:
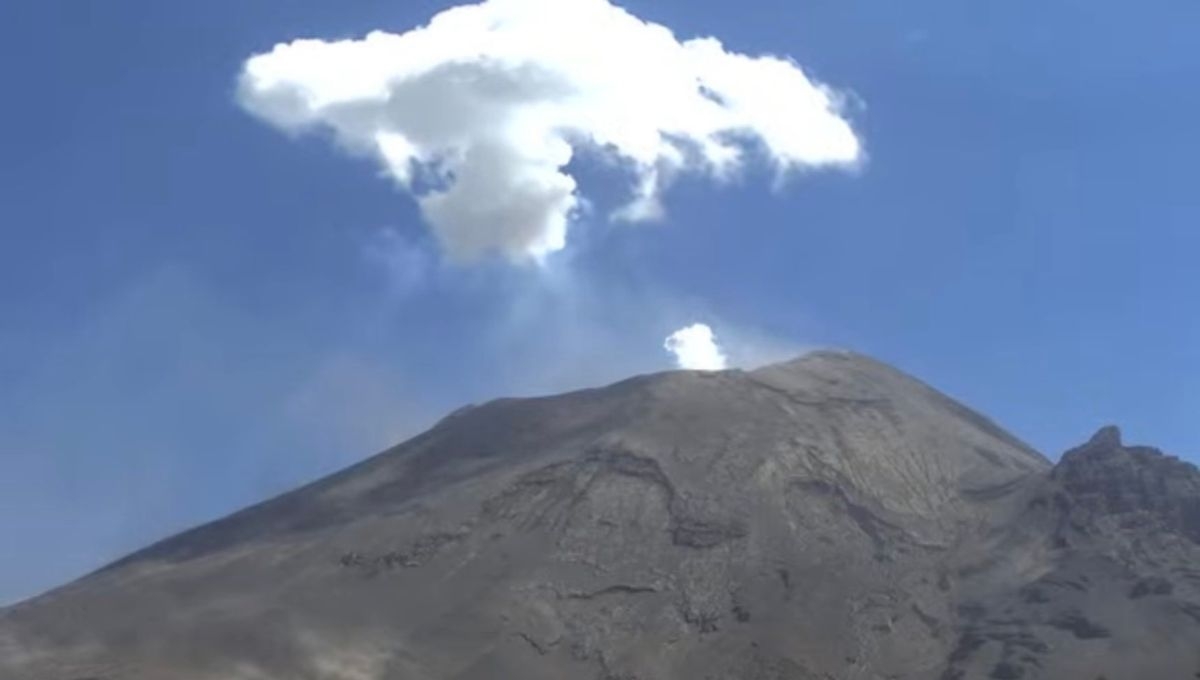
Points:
824	518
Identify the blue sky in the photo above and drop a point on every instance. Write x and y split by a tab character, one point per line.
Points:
197	311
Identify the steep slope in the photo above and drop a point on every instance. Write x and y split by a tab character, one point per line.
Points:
828	517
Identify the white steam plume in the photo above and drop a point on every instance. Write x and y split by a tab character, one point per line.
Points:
478	113
695	348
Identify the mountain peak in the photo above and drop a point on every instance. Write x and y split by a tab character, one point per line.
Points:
829	516
1107	437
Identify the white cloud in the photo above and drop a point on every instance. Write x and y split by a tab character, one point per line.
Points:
479	112
695	348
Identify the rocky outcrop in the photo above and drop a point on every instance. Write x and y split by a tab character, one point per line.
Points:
1109	486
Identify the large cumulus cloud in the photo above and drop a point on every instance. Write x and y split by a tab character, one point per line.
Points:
479	113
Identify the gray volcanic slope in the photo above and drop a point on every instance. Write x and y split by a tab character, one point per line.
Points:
828	517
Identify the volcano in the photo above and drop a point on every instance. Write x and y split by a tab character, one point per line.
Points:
824	518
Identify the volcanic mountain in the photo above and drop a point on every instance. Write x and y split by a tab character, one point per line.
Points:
824	518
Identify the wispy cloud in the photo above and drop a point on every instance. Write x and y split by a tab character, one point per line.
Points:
479	113
405	262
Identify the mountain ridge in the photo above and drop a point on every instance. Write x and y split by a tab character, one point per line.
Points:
826	517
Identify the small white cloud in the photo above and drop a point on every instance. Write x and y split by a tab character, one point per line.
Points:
695	348
479	113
